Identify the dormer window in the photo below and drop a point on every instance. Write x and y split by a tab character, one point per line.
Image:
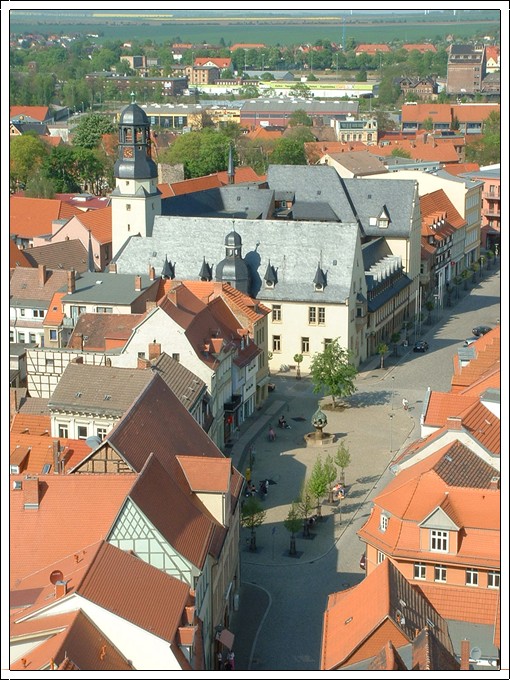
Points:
438	540
383	522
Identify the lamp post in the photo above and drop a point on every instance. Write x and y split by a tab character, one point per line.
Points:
391	433
392	390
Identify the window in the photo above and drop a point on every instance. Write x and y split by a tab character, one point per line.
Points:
104	310
38	313
493	579
22	312
440	573
82	432
128	206
53	334
141	355
176	356
63	431
277	312
277	344
438	540
327	341
21	337
31	337
305	345
312	314
11	336
101	432
471	577
380	557
322	315
419	571
383	523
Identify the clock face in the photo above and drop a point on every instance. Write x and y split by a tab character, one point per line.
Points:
128	152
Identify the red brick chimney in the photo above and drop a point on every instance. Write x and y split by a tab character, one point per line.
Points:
138	283
112	268
142	363
464	655
152	273
60	589
14	403
454	423
154	350
42	275
71	282
494	483
56	456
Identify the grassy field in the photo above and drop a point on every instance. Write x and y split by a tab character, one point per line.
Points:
163	31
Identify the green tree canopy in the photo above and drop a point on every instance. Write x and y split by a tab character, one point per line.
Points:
202	152
27	152
332	371
487	149
39	186
90	129
400	153
290	150
252	516
342	459
317	483
59	167
300	117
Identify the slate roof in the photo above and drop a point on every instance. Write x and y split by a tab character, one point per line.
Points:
359	162
187	387
237	200
103	390
103	331
25	289
353	616
67	255
108	288
281	242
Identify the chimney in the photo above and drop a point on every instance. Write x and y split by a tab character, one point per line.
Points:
112	268
494	483
142	363
138	283
60	589
154	350
454	423
31	493
71	282
42	275
13	396
56	456
152	273
150	304
464	655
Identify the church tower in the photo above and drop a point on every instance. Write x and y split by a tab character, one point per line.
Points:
233	269
136	199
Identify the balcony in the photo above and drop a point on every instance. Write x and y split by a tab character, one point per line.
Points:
491	196
492	212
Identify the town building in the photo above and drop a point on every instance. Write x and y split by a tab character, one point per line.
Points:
466	69
491	204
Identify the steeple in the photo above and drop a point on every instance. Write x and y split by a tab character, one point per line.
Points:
205	272
320	280
270	277
233	269
168	271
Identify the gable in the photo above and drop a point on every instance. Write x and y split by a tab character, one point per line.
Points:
438	519
104	459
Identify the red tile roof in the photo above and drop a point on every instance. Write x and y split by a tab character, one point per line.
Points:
476	605
241	174
421	47
55	312
438	201
212	475
443	405
43	536
189	186
103	331
39	113
483	426
99	222
17	257
220	62
488	353
372	48
438	113
207	290
353	616
31	423
26	283
29	217
474	113
459	168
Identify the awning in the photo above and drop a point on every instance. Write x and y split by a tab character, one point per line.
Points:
226	638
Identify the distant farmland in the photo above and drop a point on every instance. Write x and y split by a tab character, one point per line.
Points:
269	31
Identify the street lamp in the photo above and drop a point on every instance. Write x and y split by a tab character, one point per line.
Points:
392	390
391	433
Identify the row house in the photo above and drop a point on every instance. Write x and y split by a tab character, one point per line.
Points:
350	130
33	218
491	205
467	118
423	88
143	87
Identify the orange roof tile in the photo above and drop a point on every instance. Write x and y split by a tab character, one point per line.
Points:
421	47
459	168
29	217
438	113
475	605
166	190
39	113
17	257
42	536
189	186
99	222
262	133
31	423
473	113
241	174
488	353
484	426
211	475
220	62
246	46
438	201
55	312
206	290
443	405
372	47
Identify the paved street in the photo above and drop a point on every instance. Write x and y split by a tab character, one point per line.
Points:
283	598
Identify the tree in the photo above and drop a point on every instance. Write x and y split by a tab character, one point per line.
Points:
361	76
429	306
331	370
487	149
329	468
400	153
202	153
304	505
382	349
298	358
428	124
395	339
252	516
39	186
27	152
342	460
317	483
292	523
465	274
300	117
90	129
289	151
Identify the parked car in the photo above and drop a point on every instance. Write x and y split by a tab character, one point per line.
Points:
469	341
481	330
363	562
420	346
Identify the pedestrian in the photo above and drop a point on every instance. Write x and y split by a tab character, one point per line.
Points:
271	434
405	404
231	658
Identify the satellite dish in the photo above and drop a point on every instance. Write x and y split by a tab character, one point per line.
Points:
55	576
476	653
93	441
